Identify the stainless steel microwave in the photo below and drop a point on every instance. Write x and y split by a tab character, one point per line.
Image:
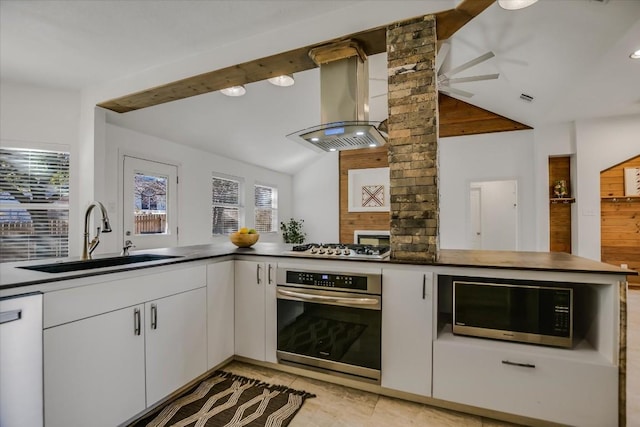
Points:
514	312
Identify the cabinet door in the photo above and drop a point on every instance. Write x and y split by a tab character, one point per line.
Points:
94	370
176	335
407	307
220	305
250	309
271	320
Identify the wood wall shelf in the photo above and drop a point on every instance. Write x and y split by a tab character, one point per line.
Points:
621	199
564	200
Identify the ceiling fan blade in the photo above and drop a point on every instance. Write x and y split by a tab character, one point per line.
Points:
442	55
469	64
453	91
474	78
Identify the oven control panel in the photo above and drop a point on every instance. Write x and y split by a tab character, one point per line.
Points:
326	280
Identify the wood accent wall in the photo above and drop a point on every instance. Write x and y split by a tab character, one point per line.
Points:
619	220
351	221
559	213
457	118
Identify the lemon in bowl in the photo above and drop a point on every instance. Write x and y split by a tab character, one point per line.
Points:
244	238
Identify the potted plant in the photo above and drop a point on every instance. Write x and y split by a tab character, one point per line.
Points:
292	231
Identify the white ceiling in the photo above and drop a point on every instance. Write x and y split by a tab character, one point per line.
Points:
572	56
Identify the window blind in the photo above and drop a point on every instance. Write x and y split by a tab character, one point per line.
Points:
266	217
225	206
34	204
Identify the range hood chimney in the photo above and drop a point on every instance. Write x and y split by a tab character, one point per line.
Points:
344	101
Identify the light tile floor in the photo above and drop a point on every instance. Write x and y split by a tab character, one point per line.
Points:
338	406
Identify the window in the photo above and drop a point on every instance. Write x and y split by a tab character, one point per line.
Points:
34	204
266	209
226	206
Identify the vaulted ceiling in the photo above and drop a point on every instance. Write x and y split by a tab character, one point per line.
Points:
572	56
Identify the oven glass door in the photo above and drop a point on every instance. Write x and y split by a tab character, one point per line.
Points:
330	328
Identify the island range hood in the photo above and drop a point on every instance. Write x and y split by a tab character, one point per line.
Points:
344	101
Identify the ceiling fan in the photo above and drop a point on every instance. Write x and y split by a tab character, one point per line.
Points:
445	78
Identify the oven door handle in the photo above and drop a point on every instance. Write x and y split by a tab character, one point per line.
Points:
322	298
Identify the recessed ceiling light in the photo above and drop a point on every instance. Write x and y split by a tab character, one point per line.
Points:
515	4
234	91
285	80
635	55
315	139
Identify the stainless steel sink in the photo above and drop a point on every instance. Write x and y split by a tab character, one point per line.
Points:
65	267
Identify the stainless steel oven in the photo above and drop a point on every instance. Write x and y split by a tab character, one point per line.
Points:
330	322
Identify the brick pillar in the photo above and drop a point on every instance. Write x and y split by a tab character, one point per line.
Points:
413	139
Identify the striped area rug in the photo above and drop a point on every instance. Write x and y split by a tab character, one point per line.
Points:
229	400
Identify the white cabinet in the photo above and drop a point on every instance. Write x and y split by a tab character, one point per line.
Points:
114	348
176	342
407	325
568	386
220	308
255	310
94	370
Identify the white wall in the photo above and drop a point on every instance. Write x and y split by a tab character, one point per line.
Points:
487	157
316	199
36	117
194	192
601	143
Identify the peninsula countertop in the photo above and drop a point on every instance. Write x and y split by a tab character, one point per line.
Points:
13	276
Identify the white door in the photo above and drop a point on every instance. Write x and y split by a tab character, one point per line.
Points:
498	214
150	203
476	218
94	370
250	309
176	335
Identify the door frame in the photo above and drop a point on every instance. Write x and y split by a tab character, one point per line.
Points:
139	155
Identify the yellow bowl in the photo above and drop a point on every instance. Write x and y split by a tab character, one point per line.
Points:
243	240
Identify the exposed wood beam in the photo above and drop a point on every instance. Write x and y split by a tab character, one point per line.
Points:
450	21
372	42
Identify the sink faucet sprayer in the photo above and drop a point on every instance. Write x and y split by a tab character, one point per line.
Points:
89	247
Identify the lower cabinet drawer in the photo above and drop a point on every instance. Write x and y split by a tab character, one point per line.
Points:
562	390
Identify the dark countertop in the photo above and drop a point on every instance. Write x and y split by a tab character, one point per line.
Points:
12	276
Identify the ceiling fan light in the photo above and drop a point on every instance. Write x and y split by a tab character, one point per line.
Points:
284	80
515	4
635	55
234	91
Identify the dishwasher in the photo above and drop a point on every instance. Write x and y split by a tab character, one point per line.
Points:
21	378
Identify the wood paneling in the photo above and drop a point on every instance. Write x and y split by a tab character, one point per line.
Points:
350	221
457	118
559	214
450	21
619	220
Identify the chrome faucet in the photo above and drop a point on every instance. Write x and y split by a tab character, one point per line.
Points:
89	247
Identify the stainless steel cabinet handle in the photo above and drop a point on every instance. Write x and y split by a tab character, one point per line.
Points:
309	297
269	281
154	316
424	286
10	316
136	321
523	365
258	274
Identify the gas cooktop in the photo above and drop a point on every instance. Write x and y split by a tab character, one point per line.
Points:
342	251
